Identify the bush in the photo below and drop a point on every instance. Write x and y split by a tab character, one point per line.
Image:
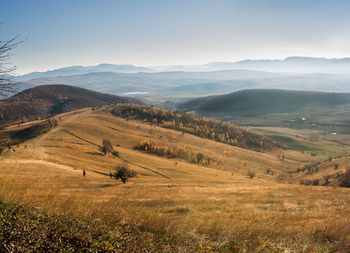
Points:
251	174
305	182
123	172
315	182
345	178
199	157
115	153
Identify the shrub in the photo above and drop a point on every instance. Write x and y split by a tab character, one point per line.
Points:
115	153
200	157
315	182
123	172
251	174
345	178
326	180
305	182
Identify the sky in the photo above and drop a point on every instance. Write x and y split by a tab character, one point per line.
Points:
63	33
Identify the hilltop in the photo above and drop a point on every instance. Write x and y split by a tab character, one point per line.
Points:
45	100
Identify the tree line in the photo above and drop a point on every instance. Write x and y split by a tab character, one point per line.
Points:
200	126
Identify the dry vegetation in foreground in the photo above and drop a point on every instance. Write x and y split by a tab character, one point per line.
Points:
170	205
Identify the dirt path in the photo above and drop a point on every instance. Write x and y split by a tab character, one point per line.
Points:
42	162
41	150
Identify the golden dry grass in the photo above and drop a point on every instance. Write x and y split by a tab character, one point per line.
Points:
215	206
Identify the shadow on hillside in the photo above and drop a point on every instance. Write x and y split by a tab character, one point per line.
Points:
105	185
95	153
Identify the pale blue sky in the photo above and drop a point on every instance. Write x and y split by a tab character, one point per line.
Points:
164	32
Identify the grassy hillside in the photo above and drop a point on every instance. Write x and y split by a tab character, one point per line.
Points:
172	204
43	101
328	112
199	126
331	172
258	102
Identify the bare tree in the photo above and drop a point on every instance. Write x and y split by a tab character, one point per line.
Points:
7	84
106	147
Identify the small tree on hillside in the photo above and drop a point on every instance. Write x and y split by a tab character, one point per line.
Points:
251	174
123	172
199	157
115	153
345	178
106	147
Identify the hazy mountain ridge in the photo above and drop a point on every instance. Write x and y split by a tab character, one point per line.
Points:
292	73
293	64
119	83
79	70
192	84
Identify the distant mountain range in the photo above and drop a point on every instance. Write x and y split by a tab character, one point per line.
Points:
46	100
151	83
293	64
79	70
177	83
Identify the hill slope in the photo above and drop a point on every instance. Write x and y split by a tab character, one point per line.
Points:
182	203
259	102
46	100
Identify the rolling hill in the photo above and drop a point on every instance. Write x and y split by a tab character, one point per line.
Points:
174	204
43	101
179	84
256	102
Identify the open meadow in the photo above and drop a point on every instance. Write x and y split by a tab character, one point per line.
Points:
243	201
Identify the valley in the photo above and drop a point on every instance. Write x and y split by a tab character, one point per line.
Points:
174	126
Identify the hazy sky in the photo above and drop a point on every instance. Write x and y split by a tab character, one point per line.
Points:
172	32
